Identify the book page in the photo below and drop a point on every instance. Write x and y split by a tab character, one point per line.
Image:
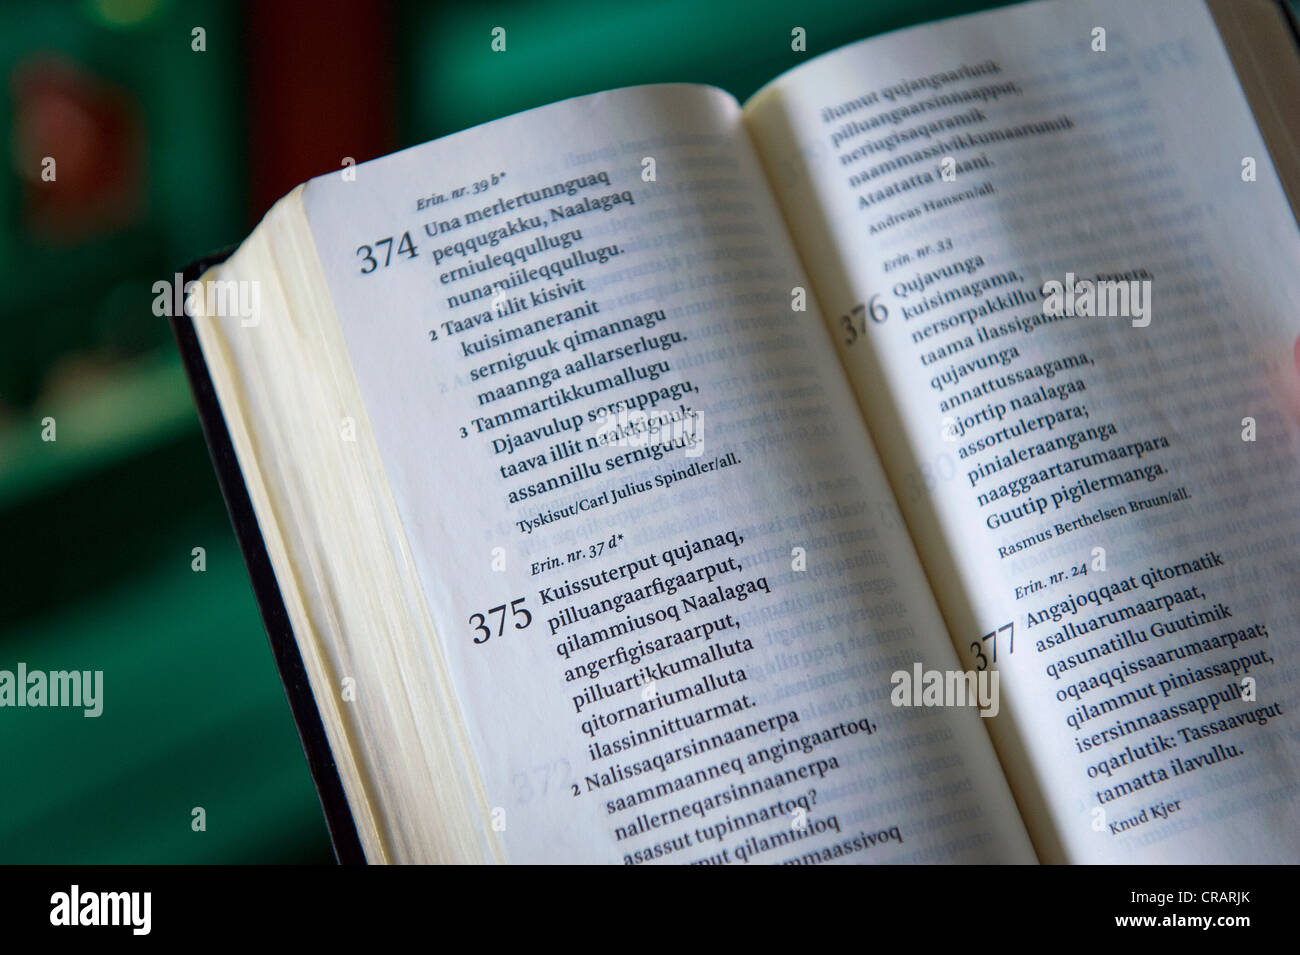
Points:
1064	278
664	562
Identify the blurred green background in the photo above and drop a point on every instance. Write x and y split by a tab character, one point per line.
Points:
165	152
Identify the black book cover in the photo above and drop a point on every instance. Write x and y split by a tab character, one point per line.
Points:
311	731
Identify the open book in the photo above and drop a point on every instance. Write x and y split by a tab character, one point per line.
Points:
900	466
